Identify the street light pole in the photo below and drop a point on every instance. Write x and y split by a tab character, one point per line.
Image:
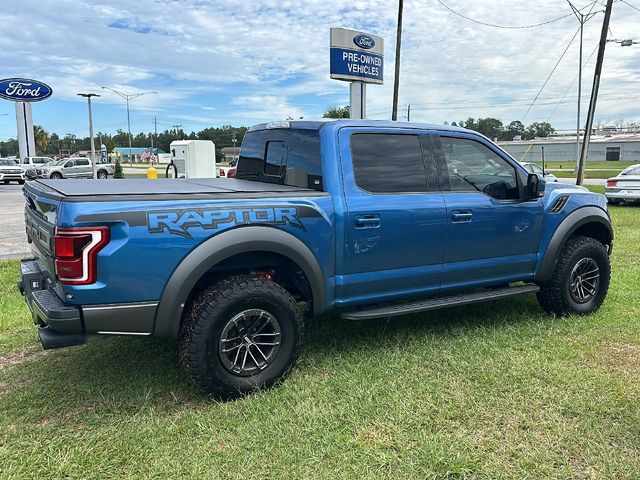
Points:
127	97
93	143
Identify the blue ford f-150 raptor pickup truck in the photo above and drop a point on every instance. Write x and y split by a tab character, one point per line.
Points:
376	218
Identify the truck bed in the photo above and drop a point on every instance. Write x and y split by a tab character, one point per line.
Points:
161	189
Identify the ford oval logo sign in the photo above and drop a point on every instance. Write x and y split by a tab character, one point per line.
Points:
24	90
364	41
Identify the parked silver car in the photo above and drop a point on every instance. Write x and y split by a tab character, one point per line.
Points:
625	186
534	168
79	167
10	172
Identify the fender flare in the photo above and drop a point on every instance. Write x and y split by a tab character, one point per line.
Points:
567	227
225	245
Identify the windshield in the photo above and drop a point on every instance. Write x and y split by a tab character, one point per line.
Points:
57	162
633	170
7	163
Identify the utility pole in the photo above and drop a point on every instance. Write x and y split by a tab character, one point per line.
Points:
582	18
127	97
93	143
175	128
396	79
594	93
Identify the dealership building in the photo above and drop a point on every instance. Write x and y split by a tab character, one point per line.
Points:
619	147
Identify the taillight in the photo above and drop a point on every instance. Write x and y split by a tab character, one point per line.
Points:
222	174
76	253
611	183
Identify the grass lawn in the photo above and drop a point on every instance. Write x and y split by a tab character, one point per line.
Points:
497	390
604	174
618	166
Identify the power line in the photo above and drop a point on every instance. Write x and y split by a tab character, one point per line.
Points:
632	6
550	74
508	27
571	85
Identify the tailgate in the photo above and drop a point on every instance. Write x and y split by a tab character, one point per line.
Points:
40	217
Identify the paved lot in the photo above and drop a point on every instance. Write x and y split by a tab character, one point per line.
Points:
13	240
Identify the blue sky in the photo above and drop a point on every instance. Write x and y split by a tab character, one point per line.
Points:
244	62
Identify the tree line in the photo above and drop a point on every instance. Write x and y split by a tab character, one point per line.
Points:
51	144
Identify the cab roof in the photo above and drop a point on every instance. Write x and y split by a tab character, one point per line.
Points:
340	123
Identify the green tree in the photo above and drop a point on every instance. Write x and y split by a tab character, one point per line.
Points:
540	129
337	112
514	129
491	128
118	173
41	138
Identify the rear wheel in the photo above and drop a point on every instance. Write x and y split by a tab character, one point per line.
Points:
241	335
102	175
580	281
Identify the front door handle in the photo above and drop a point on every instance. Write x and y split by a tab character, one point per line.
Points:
461	216
367	221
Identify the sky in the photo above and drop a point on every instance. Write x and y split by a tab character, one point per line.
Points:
240	62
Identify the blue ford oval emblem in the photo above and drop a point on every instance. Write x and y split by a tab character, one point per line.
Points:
24	90
364	41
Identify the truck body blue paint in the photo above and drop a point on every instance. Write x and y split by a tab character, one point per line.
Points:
370	248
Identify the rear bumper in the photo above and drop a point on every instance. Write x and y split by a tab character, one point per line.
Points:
59	325
623	194
63	325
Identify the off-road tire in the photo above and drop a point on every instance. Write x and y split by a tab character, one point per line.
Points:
555	296
204	323
56	176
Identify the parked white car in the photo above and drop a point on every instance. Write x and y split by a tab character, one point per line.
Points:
10	172
534	168
625	186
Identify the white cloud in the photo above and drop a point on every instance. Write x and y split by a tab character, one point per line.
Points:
268	59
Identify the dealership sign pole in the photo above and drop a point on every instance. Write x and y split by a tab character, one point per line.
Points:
358	58
23	92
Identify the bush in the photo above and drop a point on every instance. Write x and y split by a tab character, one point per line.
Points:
118	173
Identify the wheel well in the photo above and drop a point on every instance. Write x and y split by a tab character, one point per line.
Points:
594	230
276	267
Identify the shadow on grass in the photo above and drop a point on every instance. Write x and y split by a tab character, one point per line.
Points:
130	375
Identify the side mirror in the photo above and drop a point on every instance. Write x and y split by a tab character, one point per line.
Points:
535	187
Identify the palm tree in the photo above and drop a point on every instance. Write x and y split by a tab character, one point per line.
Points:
41	138
337	112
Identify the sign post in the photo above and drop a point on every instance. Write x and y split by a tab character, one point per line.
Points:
23	91
358	58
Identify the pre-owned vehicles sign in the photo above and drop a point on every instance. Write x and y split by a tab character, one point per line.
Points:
24	90
356	56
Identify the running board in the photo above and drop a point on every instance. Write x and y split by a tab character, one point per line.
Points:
438	303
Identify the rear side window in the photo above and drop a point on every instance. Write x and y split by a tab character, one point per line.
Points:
388	163
82	162
283	156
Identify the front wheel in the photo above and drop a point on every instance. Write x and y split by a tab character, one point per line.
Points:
580	281
56	176
241	335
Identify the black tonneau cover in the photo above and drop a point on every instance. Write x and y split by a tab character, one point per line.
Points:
125	189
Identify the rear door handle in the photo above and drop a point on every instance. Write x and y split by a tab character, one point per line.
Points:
367	221
461	216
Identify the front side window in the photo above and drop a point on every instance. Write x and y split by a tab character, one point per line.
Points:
473	167
388	163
